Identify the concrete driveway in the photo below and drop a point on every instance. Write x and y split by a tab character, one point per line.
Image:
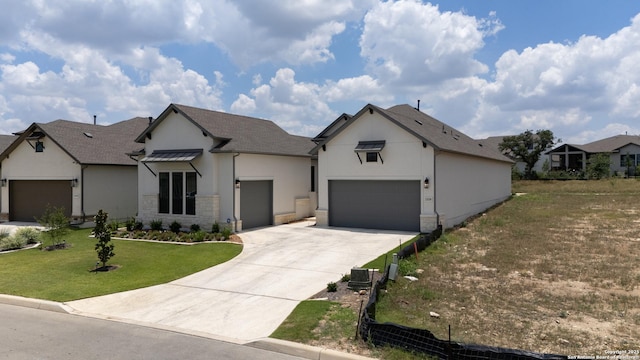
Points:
248	297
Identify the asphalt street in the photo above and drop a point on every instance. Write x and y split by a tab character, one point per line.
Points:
27	333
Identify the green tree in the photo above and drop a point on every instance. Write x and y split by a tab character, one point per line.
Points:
103	247
599	166
527	147
55	222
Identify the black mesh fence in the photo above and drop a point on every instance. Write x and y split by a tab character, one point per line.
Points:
423	341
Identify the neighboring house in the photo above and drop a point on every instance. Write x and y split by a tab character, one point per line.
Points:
204	167
401	169
495	141
620	148
80	167
5	141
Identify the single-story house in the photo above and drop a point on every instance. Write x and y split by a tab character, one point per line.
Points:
203	167
399	168
620	148
5	141
80	167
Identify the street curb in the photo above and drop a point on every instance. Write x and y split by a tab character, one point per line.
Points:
302	350
35	303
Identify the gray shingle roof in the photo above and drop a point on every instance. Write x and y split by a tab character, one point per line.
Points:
240	133
430	130
90	144
607	145
5	141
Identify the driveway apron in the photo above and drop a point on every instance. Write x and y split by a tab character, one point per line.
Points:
247	298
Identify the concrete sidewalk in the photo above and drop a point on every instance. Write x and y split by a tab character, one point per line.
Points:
247	298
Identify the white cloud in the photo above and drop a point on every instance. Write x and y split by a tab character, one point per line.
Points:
411	43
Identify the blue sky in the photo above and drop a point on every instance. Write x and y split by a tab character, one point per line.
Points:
484	67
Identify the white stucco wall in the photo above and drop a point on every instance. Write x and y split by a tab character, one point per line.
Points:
177	133
291	177
24	163
468	185
218	200
110	188
403	158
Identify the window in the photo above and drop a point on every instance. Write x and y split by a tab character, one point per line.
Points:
313	178
372	157
627	160
163	198
177	192
39	146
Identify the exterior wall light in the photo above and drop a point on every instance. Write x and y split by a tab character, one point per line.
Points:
3	182
426	183
237	183
74	182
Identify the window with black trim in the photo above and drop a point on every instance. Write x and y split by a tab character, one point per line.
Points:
313	178
177	193
372	157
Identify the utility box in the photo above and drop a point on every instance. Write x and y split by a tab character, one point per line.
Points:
360	279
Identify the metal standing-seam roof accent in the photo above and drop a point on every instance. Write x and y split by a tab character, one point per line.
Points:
172	155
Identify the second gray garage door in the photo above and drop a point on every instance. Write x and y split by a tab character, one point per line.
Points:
373	204
256	203
28	199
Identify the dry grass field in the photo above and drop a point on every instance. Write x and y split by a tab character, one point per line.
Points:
555	269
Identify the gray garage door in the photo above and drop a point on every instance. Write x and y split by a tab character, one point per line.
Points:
28	199
256	203
369	204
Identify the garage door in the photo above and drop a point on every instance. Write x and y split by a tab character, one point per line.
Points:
256	203
390	205
28	199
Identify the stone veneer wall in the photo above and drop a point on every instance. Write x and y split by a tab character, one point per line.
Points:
207	212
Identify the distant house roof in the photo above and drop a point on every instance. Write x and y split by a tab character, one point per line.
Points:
238	133
426	128
87	143
608	145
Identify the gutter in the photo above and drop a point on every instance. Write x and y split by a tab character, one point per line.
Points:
435	184
233	186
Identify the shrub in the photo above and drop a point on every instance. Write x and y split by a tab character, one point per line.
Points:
28	234
156	225
4	233
195	227
198	236
138	225
215	228
226	233
332	287
130	224
345	278
175	226
113	225
12	243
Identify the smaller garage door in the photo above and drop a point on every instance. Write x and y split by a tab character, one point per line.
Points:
373	204
256	203
28	199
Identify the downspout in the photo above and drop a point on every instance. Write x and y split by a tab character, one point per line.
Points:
233	183
435	184
82	167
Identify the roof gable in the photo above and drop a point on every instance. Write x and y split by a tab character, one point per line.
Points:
426	128
88	143
238	133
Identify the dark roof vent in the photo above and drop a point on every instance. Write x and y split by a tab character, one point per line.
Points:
89	135
418	121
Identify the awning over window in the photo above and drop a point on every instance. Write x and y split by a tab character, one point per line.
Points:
172	155
370	146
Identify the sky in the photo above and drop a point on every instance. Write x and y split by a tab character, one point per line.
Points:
486	68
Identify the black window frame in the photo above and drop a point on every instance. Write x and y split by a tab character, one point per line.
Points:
372	156
177	192
164	196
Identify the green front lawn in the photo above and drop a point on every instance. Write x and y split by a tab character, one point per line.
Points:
65	275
